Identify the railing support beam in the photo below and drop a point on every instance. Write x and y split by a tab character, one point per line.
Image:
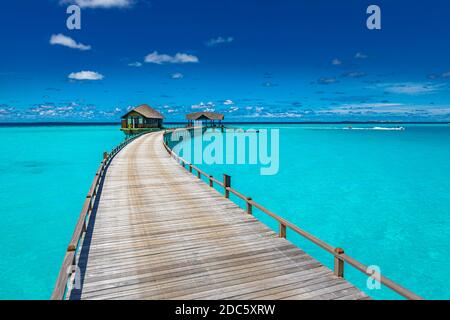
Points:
338	263
282	232
211	181
226	184
249	206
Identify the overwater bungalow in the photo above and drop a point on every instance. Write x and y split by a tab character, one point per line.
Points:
141	118
207	119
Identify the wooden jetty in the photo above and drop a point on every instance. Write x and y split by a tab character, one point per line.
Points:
151	229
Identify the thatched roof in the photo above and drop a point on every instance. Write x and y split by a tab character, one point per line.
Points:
205	115
146	111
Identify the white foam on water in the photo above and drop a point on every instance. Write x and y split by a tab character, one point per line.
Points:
360	128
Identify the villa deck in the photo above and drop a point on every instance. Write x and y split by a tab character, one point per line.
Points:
158	232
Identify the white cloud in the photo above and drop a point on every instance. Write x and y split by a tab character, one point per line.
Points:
177	75
411	88
219	40
269	84
86	75
228	102
45	111
354	74
327	80
283	115
272	115
360	55
204	106
363	107
135	64
377	109
86	114
106	4
169	109
54	111
110	113
157	58
60	39
435	76
336	62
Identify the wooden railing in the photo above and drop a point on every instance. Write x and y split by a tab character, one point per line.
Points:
340	258
68	269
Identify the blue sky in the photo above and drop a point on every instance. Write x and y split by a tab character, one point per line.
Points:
254	60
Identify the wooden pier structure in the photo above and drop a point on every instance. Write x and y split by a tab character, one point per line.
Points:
151	228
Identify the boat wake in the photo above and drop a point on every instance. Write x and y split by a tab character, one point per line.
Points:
377	128
359	128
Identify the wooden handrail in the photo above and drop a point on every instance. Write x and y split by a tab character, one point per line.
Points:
67	270
384	280
338	253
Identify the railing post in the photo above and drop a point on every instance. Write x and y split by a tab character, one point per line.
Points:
94	192
339	263
282	233
226	184
249	206
199	175
90	207
211	182
190	167
105	155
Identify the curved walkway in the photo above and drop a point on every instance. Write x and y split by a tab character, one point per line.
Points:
158	232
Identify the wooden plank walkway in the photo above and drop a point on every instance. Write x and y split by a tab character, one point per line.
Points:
158	232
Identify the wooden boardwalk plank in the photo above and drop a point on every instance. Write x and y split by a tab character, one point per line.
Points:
158	232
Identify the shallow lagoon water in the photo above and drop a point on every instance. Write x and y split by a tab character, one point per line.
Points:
45	174
384	196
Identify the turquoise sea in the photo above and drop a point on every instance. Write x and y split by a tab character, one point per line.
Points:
384	196
45	174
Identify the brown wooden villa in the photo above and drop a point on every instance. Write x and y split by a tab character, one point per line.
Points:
141	118
208	119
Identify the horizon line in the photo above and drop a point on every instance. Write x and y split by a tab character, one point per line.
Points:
80	123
